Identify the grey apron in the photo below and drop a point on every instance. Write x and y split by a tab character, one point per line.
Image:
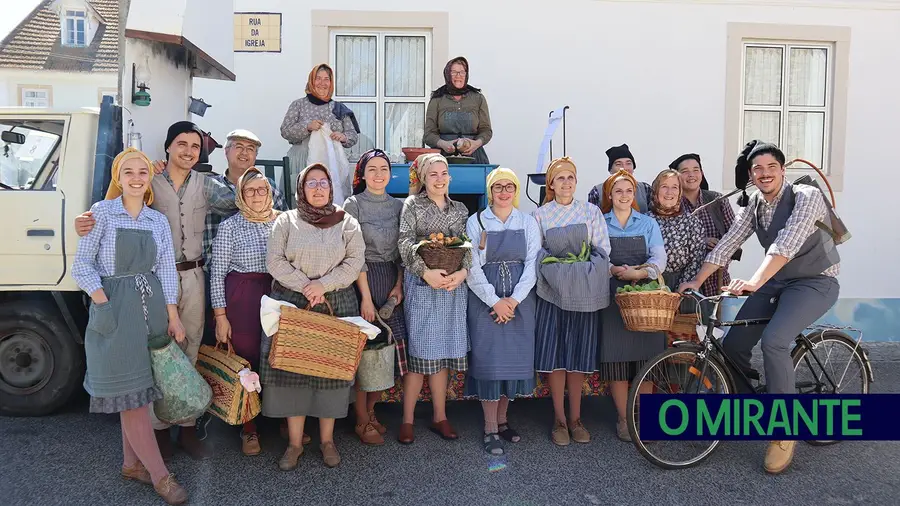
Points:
459	125
115	341
579	286
502	351
616	343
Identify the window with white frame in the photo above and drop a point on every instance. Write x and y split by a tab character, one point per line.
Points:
35	97
786	98
385	78
75	28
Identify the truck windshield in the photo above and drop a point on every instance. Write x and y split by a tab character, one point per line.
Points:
28	157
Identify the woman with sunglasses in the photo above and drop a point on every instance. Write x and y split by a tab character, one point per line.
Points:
501	310
382	276
239	278
315	253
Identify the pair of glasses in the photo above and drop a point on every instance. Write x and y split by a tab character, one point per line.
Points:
312	184
458	74
249	192
508	188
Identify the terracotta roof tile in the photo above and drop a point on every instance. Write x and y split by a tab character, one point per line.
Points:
36	42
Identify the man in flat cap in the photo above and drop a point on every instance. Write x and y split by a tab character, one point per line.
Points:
620	158
185	197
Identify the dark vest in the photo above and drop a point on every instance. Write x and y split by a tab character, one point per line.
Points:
816	254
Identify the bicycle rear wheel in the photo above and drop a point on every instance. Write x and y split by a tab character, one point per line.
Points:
676	370
835	364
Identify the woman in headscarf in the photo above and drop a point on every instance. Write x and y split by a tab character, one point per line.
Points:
682	233
457	119
570	295
501	305
637	254
315	254
308	114
381	278
126	264
435	299
239	278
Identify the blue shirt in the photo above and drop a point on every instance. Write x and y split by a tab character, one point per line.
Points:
641	225
517	220
95	257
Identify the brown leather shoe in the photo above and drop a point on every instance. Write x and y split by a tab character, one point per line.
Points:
170	490
407	434
330	454
444	429
369	435
290	459
250	444
137	472
374	421
188	440
164	441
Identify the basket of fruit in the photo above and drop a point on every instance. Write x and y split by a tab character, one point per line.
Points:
650	307
441	252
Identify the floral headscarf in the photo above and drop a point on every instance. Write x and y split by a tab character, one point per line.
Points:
115	188
359	176
419	168
655	205
320	217
268	213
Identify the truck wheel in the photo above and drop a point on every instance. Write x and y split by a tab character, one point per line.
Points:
41	365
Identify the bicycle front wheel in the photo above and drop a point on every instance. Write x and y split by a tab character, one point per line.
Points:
676	371
834	364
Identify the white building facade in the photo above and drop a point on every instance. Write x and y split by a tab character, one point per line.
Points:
664	77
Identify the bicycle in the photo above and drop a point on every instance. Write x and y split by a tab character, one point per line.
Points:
706	369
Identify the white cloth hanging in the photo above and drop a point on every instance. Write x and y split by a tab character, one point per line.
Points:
330	153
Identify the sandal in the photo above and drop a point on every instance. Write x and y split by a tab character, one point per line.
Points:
492	444
509	434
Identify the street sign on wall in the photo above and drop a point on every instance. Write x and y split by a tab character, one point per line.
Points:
257	32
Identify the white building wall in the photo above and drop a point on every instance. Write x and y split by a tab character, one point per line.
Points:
651	74
170	87
70	89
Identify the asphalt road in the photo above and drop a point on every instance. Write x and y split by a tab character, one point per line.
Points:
73	458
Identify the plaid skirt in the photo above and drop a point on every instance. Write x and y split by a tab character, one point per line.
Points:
382	276
424	366
343	302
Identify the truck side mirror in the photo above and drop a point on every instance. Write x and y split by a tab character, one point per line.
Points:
13	137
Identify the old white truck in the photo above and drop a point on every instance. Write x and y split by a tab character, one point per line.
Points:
53	164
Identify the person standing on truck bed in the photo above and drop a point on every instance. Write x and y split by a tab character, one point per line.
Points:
184	198
126	265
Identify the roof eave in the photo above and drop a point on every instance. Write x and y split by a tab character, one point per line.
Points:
207	66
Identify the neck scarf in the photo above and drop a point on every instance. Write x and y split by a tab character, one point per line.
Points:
321	217
606	203
268	213
557	166
448	88
655	204
498	174
311	92
359	176
115	187
419	168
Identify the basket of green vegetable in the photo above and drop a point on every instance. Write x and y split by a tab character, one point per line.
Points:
650	307
439	252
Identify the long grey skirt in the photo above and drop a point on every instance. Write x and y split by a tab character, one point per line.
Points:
282	402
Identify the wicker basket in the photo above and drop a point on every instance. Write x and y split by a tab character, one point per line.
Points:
449	259
316	344
231	403
651	311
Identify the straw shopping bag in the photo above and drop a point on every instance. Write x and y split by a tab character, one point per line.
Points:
186	395
376	366
232	403
651	311
316	344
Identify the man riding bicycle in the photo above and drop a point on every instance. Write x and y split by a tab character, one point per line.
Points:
795	285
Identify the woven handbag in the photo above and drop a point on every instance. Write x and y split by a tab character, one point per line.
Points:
316	344
232	403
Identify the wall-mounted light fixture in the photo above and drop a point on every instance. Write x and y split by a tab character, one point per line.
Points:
198	106
140	83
